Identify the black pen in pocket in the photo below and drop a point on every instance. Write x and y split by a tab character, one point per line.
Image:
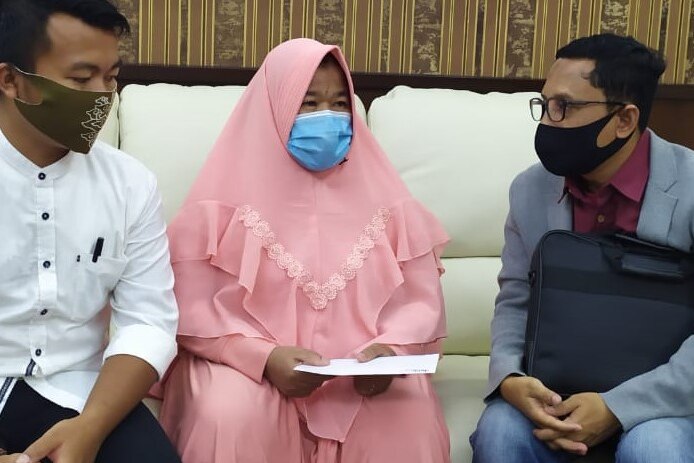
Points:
98	247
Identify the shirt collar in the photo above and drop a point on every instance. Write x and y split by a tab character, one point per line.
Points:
631	178
21	163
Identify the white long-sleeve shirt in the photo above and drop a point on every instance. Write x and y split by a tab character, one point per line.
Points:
54	327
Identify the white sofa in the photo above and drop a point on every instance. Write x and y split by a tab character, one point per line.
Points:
457	151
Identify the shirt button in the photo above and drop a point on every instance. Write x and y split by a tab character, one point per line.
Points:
44	311
46	264
42	176
38	352
601	218
45	216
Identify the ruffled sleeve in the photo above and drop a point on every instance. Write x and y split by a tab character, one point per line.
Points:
413	320
215	261
247	355
413	231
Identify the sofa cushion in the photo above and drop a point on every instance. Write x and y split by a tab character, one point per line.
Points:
469	287
460	382
458	152
172	128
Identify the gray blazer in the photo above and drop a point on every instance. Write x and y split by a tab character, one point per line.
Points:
667	217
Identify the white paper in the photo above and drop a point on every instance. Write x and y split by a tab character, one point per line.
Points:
395	365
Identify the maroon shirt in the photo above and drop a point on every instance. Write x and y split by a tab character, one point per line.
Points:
616	206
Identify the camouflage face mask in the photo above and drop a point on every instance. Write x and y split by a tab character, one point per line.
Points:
72	118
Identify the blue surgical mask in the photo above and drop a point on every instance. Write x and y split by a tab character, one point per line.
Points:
320	140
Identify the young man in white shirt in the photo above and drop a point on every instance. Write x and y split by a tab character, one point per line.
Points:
80	226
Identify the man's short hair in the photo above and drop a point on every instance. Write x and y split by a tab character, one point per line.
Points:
625	69
23	36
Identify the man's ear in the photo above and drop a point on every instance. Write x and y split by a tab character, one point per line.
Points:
627	120
8	81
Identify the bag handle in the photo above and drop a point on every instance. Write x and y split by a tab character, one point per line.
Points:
662	264
654	268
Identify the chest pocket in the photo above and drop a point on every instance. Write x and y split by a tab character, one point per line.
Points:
93	283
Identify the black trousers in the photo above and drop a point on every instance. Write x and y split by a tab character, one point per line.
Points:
137	439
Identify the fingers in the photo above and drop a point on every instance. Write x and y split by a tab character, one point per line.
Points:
314	377
306	383
279	370
547	434
557	441
375	351
544	420
544	394
369	386
564	408
369	353
578	448
365	389
309	357
302	387
39	449
15	458
309	380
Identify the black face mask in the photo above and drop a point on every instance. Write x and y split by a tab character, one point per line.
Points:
571	152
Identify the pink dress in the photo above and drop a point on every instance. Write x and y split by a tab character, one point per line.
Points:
267	254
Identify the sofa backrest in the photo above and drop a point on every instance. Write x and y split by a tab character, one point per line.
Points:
110	133
456	150
172	128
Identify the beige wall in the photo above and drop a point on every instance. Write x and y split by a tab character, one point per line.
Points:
495	38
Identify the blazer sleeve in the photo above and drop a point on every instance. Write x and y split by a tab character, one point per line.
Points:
511	307
666	391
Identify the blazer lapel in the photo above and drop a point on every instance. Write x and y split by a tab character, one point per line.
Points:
658	205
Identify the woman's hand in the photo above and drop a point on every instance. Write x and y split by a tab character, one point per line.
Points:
373	385
279	370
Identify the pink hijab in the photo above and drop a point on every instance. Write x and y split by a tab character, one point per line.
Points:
312	252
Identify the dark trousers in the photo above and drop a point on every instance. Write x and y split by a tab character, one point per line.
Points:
138	438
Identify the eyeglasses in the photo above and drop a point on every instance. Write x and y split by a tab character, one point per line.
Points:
555	108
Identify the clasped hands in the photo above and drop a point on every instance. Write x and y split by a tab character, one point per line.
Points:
573	425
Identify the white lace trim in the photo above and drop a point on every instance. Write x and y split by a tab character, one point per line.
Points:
318	294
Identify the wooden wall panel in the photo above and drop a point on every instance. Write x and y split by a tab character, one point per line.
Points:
490	38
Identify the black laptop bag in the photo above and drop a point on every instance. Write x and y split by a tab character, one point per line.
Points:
604	309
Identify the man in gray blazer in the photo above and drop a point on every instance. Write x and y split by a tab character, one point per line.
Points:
601	170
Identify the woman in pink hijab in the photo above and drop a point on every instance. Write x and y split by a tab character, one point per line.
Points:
299	243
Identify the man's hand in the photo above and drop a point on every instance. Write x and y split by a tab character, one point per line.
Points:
588	410
15	458
279	370
368	386
535	401
76	440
